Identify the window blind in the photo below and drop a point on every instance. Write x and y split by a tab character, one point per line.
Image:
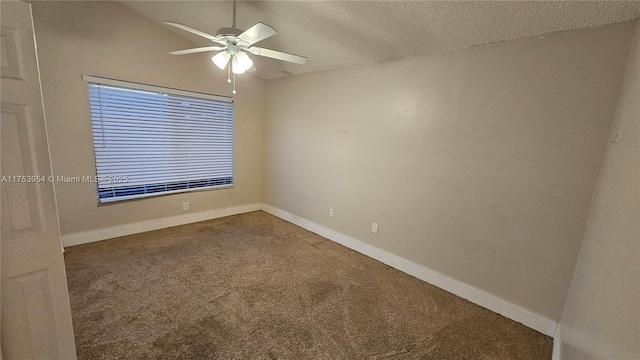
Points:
151	141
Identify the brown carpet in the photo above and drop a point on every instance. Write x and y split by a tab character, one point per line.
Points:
253	286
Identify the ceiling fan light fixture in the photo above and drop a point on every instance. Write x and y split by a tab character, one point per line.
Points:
244	61
236	66
221	59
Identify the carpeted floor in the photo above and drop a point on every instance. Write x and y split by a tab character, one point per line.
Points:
253	286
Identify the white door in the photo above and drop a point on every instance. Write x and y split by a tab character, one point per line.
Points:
36	319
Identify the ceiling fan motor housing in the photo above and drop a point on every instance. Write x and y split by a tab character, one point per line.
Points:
233	49
228	31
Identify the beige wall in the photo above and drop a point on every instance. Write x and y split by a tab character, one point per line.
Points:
107	39
602	316
477	163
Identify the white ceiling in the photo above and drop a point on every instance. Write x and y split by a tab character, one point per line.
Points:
334	34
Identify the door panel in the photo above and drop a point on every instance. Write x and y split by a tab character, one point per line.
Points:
16	160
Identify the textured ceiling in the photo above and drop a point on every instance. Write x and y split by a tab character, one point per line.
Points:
334	34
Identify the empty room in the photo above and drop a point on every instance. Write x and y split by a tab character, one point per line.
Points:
320	180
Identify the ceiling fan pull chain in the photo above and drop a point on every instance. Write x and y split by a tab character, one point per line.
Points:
234	84
229	73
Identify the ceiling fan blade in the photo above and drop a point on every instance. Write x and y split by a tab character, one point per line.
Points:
251	69
257	32
279	55
197	50
197	32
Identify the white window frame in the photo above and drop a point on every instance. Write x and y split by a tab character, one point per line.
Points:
117	182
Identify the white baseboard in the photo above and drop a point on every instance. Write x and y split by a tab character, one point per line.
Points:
155	224
479	297
557	341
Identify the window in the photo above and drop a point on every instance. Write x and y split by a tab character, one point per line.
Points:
152	141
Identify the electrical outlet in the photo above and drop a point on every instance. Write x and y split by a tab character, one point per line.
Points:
330	212
185	206
374	228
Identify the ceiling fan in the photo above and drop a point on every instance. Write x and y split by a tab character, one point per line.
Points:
234	44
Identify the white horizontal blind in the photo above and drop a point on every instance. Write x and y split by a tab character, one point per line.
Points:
153	142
